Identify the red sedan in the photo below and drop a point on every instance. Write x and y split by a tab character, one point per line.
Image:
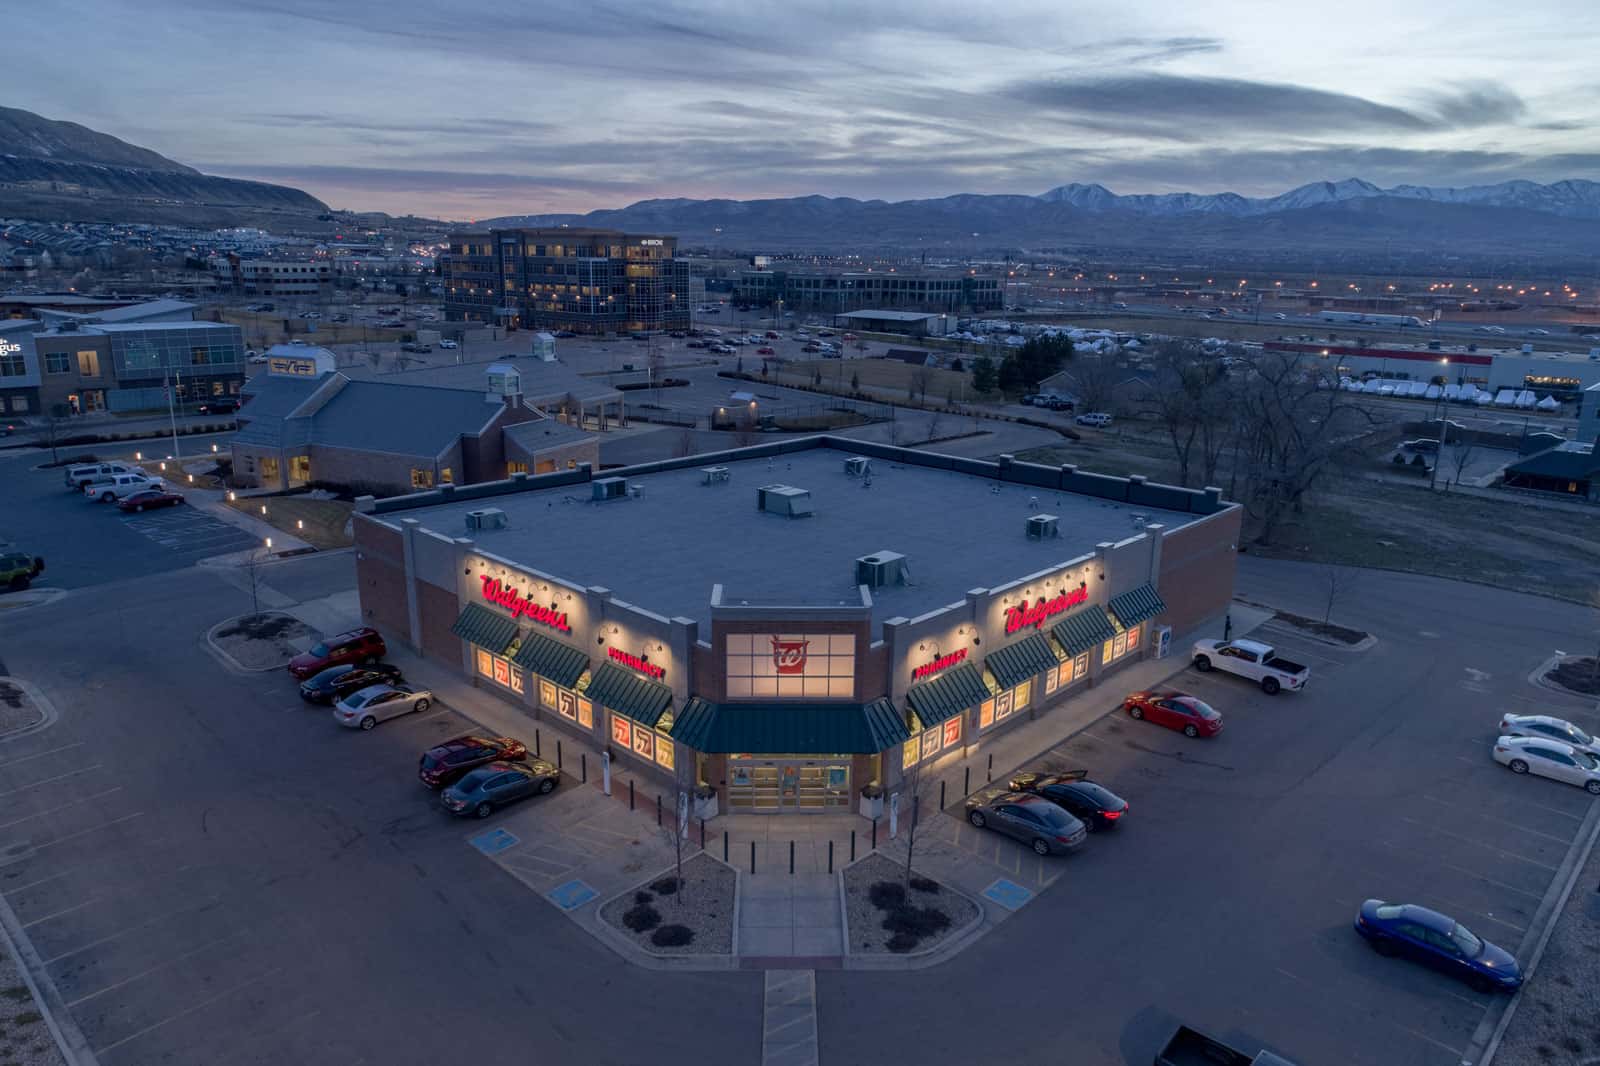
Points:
765	351
148	498
1191	715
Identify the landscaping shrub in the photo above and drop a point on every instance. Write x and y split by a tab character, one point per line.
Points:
642	896
641	918
672	936
925	884
666	886
917	921
901	943
887	895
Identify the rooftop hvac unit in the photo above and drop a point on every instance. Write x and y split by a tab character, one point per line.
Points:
858	466
1140	519
636	491
1042	526
609	488
487	518
785	500
880	569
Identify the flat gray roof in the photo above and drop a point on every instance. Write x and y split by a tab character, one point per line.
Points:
665	549
893	316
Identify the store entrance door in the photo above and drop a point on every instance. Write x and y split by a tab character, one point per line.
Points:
779	784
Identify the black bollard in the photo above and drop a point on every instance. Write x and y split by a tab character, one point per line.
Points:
852	845
724	845
658	810
536	743
558	754
752	856
702	834
874	834
830	856
966	781
991	766
583	766
791	858
941	796
630	793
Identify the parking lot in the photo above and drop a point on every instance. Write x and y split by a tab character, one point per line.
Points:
1226	896
187	531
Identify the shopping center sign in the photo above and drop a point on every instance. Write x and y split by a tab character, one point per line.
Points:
502	595
635	662
1036	614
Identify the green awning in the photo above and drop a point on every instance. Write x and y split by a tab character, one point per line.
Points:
1083	629
797	728
629	694
1134	607
948	694
561	663
1015	663
478	625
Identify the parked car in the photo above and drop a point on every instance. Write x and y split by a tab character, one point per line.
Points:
1549	758
337	682
379	703
1421	444
18	569
1542	726
120	486
1096	806
773	335
448	345
256	357
1034	820
499	783
812	348
1190	715
766	349
1097	419
362	645
696	344
1190	1047
220	405
79	476
145	499
1251	658
446	762
1409	931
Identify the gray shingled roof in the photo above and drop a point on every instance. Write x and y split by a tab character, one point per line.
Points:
399	419
541	382
536	436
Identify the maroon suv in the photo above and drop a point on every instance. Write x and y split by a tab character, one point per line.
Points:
446	763
362	645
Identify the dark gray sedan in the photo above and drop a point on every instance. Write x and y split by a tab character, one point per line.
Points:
482	790
1034	820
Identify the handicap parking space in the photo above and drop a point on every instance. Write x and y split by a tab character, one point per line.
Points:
186	530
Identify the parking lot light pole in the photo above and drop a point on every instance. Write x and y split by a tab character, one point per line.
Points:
1444	425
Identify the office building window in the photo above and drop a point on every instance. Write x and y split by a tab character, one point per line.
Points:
269	468
514	467
300	468
89	364
57	363
421	479
19	404
446	477
11	364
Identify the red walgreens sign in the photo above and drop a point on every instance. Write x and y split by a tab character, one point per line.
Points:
789	656
522	607
633	662
943	662
1024	615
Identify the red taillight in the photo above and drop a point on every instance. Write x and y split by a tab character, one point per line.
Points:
1499	748
1112	816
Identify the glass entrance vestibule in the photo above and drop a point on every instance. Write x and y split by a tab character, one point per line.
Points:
773	784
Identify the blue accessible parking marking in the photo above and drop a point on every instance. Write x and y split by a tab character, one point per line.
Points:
1008	894
493	842
572	894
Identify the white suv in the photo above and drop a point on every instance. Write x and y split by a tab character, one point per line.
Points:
1097	419
79	476
118	486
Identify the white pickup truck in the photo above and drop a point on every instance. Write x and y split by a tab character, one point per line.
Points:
1253	659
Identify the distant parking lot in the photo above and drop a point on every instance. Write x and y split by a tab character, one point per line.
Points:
1230	888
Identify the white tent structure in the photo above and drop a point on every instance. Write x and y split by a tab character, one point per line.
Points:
1483	399
1452	392
1417	389
1433	393
1505	398
1374	386
1525	398
1549	403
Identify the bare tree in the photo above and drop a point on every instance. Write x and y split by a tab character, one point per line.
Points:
252	577
911	792
686	442
933	425
1097	380
919	384
1460	456
1337	581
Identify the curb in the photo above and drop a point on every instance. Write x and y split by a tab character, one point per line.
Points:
614	938
950	946
1553	915
47	710
31	597
1539	677
235	664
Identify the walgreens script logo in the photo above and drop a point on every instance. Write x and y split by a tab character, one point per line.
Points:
789	656
1024	614
522	607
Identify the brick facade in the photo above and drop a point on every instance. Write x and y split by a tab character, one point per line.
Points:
1198	563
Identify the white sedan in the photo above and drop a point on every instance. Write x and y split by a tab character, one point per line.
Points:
1549	758
1543	726
377	703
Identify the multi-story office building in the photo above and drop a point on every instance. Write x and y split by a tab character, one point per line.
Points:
585	280
273	277
838	293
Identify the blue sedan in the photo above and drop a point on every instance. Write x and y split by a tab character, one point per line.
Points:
1439	941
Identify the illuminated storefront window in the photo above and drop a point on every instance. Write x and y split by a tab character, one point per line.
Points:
501	671
944	736
1121	644
1004	705
648	744
567	703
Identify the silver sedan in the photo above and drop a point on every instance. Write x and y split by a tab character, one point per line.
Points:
376	703
1544	727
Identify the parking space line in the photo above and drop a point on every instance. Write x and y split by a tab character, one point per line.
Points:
102	898
1479	843
48	780
64	806
190	1010
1502	821
158	966
1457	1052
40	754
1470	873
72	836
1556	810
1366	1011
130	929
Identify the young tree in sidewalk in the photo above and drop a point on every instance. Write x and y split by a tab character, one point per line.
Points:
910	791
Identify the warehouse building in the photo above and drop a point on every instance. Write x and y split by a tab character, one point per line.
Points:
839	647
837	293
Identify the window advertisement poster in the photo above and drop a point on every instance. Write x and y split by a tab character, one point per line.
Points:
485	662
585	712
1133	637
644	743
664	756
740	776
566	704
790	780
930	743
547	694
952	731
838	778
621	731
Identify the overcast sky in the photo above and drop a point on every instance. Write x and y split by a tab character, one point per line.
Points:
511	106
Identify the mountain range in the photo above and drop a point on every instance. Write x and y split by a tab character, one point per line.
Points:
62	171
1328	222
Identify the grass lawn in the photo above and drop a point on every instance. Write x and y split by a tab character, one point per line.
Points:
887	379
318	522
